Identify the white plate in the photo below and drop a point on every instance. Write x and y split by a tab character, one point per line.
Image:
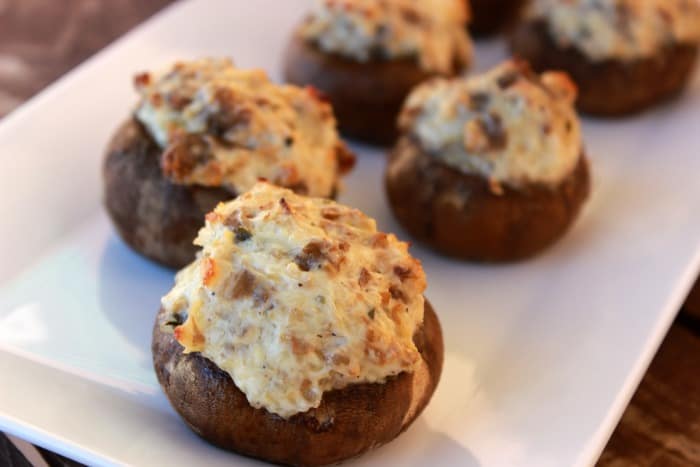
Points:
542	356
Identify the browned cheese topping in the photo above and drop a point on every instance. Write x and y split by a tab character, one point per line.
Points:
433	31
295	296
222	126
620	29
508	125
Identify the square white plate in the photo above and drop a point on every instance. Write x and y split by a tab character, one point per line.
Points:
542	357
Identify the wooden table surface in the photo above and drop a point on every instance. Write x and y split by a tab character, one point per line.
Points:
42	39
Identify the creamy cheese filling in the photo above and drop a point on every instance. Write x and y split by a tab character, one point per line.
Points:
509	125
223	126
295	296
433	31
619	29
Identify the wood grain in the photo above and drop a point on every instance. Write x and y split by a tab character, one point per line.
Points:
661	427
10	455
42	39
692	303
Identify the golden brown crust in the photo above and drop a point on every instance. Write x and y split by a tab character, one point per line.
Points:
366	97
154	216
491	16
610	87
466	217
348	422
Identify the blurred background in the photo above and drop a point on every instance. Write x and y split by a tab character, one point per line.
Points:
40	40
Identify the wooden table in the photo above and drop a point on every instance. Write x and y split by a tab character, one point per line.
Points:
42	39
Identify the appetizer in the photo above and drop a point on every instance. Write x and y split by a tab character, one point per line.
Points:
489	168
491	16
300	334
624	55
203	132
366	56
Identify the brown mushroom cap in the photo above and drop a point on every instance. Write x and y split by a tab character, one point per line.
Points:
348	422
609	87
154	216
462	215
366	96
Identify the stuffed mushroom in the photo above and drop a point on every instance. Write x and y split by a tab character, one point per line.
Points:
300	334
624	55
490	168
367	55
203	132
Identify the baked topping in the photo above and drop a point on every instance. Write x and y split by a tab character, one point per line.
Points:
509	125
294	296
433	31
222	126
619	29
